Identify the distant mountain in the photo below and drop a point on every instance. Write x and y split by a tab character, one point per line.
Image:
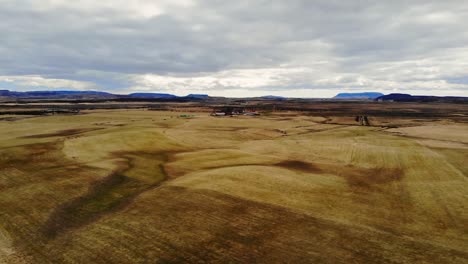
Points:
198	96
273	97
49	93
364	95
6	95
398	97
395	96
4	92
152	95
56	94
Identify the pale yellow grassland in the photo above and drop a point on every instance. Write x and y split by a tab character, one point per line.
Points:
144	186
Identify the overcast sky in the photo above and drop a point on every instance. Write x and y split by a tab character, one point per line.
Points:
296	48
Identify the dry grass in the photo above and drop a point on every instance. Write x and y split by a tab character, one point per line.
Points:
149	187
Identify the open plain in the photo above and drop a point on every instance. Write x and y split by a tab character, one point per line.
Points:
288	186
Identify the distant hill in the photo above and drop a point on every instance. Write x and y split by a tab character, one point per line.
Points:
6	95
152	95
198	96
273	97
4	92
57	94
364	95
398	97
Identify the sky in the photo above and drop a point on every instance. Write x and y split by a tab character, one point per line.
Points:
243	48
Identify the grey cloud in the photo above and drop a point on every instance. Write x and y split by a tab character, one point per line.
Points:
336	41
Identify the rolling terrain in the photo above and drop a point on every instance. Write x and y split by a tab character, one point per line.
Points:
140	186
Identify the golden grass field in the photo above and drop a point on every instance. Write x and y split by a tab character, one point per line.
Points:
137	186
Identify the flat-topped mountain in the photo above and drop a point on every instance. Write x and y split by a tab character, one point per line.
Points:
152	95
198	96
399	97
56	94
363	95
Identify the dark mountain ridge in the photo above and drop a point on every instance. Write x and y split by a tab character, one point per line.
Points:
363	95
399	97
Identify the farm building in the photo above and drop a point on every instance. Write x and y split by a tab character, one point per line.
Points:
233	111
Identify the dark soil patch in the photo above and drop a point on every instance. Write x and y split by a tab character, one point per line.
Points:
106	196
228	129
370	179
110	194
63	133
299	166
357	178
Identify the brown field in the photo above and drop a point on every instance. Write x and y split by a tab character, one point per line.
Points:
292	185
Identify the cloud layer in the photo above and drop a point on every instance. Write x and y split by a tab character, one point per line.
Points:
236	48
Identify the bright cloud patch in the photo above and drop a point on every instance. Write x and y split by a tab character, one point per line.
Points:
33	82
